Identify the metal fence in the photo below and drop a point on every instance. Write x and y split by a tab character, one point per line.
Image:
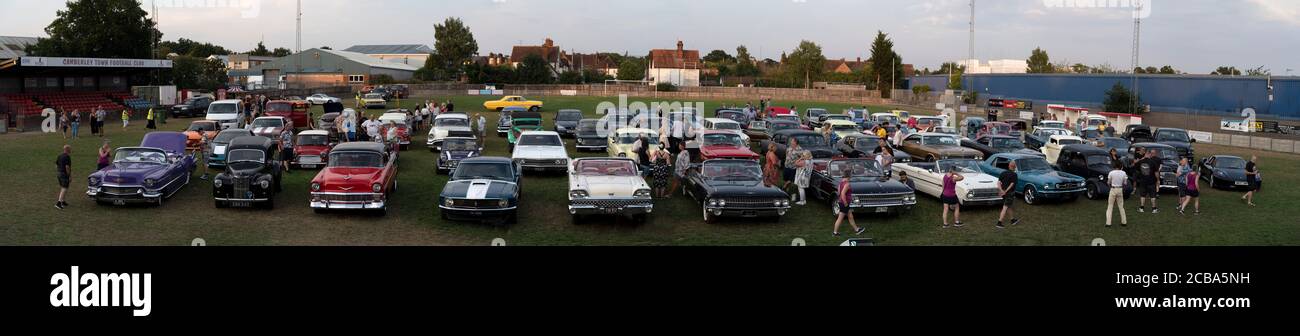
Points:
710	93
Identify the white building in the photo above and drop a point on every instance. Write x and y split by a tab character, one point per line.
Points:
678	67
1003	66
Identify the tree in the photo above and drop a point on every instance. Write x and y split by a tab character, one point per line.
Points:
453	47
1120	99
1139	70
1152	70
484	74
745	66
805	64
189	47
281	52
382	79
1039	62
1168	70
718	56
955	72
886	65
570	77
100	29
921	89
533	70
196	73
260	51
1259	72
1227	71
1080	68
593	76
632	68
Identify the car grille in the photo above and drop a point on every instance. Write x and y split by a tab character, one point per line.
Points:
751	202
880	199
986	193
612	203
542	162
121	191
476	204
239	187
1069	185
354	198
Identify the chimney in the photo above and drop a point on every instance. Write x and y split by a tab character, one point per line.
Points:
549	43
859	59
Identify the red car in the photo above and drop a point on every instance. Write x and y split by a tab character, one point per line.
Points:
994	128
272	127
358	176
724	145
777	110
311	149
295	110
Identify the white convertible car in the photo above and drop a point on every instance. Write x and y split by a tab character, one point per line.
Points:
1053	147
448	125
608	186
541	151
976	189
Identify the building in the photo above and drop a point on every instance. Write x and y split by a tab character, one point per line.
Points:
409	54
1004	66
678	67
554	56
329	68
239	69
843	66
12	47
595	62
492	59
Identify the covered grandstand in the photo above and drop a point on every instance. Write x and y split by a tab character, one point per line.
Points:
29	85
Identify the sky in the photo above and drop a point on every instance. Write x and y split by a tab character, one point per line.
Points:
1195	36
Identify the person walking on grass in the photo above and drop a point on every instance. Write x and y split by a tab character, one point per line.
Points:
204	147
1007	189
1252	180
1118	181
126	117
1184	168
1149	181
286	151
792	154
662	171
1193	193
63	123
844	197
803	176
149	116
64	165
949	197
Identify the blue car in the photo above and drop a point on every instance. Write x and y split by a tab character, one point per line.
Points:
455	150
217	150
147	174
482	189
1038	181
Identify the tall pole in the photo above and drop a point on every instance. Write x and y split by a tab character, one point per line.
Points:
298	37
1137	47
972	30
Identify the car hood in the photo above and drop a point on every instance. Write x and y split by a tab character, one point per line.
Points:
129	174
243	169
750	188
883	186
338	179
975	181
610	186
442	132
567	124
459	155
540	152
479	189
952	150
727	151
270	132
1231	174
1044	176
1182	147
824	152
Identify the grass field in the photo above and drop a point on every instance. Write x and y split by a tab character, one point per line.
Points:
28	216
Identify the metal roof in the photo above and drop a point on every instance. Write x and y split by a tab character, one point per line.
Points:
391	49
369	61
13	46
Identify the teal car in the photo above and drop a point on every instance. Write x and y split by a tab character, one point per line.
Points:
523	122
1037	182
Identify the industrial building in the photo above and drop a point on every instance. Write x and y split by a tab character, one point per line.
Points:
316	68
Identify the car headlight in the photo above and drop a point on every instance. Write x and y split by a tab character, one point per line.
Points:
216	182
1050	186
448	202
149	183
643	193
94	181
265	184
713	203
784	203
622	155
376	188
970	194
315	187
561	162
578	194
722	203
503	203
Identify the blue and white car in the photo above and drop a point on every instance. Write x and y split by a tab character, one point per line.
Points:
482	189
1037	180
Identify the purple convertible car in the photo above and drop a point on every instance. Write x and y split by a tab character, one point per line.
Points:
144	175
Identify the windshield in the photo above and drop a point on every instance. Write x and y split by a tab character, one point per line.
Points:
810	140
588	126
1067	142
193	101
962	166
859	168
1052	124
1098	160
1230	163
816	112
203	127
1172	136
490	171
733	170
313	140
245	155
540	140
1034	164
223	109
1165	153
782	126
569	116
724	139
527	122
1091	134
938	140
278	107
607	168
868	144
844	128
1000	129
140	155
226	137
375	96
726	126
460	145
1004	143
1051	132
837	117
630	138
887	118
356	159
451	122
790	117
1115	143
272	123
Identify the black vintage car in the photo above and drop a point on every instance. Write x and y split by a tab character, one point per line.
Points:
998	144
252	176
734	188
1138	134
1224	172
867	146
870	186
193	107
589	137
1168	167
482	189
455	150
1120	145
566	122
814	142
1091	163
1178	139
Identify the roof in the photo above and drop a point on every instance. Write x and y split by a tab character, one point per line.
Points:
364	59
314	132
674	59
635	130
720	120
487	159
592	62
391	49
840	122
549	53
13	46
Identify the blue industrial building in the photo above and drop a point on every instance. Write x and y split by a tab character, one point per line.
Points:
1191	94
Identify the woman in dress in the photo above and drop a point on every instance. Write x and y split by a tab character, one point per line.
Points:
661	172
803	176
772	168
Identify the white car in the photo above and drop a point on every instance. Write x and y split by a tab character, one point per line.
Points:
976	189
228	113
608	186
322	99
723	124
541	151
881	118
374	100
1053	124
448	125
1054	144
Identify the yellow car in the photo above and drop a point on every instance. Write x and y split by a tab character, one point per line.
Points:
622	140
842	128
513	101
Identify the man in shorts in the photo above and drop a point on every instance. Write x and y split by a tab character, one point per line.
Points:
1007	189
1148	169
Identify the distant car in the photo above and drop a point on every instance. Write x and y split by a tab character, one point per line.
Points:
621	141
1019	127
1091	135
457	149
723	124
1169	162
608	186
506	120
382	92
867	146
1120	145
448	125
1051	124
945	130
994	128
882	118
295	110
588	136
932	147
482	189
841	128
322	99
724	145
402	122
272	127
252	176
1093	164
1224	172
925	123
777	126
374	101
814	114
869	186
1177	138
997	144
785	117
1139	134
734	188
1037	180
976	189
192	107
541	151
522	122
814	142
399	91
566	122
219	144
902	115
971	126
1052	150
359	176
229	113
817	123
311	149
1042	136
513	101
739	117
194	134
148	174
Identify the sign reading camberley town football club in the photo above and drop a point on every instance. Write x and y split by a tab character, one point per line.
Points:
94	62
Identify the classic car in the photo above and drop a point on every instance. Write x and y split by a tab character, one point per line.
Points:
1139	134
1178	139
994	128
192	107
523	122
194	134
1019	127
867	146
322	99
359	176
1051	124
996	144
608	186
332	113
374	101
399	91
971	126
566	122
814	114
1037	181
739	117
945	130
448	125
817	123
1120	145
1042	135
778	110
976	189
785	117
294	110
1054	144
1224	172
589	136
1093	164
724	145
506	121
924	124
870	186
455	150
1168	166
217	156
229	113
841	128
774	126
903	116
734	188
883	118
814	142
513	101
621	141
311	149
402	122
149	174
1091	135
540	151
272	127
757	130
382	92
722	124
1093	121
252	178
482	189
859	115
932	147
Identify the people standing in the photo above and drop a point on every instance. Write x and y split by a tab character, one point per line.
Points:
772	168
204	147
102	115
64	123
373	130
1007	189
682	166
286	149
949	197
1118	181
803	176
94	120
482	127
1149	181
150	118
792	154
349	129
844	195
1184	168
662	171
1252	180
75	120
64	165
451	107
1193	193
642	151
126	117
105	157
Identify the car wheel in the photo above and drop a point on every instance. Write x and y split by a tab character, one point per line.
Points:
1092	191
534	109
1031	196
708	217
161	200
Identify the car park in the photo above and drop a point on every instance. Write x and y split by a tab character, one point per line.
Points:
724	145
197	131
482	189
757	130
869	186
448	125
622	141
566	122
456	149
311	149
1225	172
148	174
322	99
994	128
867	146
976	189
359	176
813	142
294	110
1052	149
1042	136
252	176
1093	164
217	158
1169	162
193	107
932	147
589	137
513	101
1037	181
541	151
734	188
883	118
228	113
374	101
608	186
1177	138
997	144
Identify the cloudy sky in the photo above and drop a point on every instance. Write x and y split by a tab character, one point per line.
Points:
1192	35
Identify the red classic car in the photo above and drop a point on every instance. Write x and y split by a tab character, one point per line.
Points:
194	134
358	176
777	110
724	145
311	149
295	110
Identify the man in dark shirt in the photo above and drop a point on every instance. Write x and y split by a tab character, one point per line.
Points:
993	115
1148	172
1252	180
1007	189
64	165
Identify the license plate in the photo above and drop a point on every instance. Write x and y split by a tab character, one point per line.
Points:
119	202
308	166
1241	183
475	213
749	214
882	210
611	211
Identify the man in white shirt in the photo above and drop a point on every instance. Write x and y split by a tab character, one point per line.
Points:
373	130
1117	180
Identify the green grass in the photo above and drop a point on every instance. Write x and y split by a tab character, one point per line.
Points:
29	218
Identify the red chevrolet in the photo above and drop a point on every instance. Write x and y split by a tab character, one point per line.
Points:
358	176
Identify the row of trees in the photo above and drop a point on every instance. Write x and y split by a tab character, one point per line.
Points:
806	64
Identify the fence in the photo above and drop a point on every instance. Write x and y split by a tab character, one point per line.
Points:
710	93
